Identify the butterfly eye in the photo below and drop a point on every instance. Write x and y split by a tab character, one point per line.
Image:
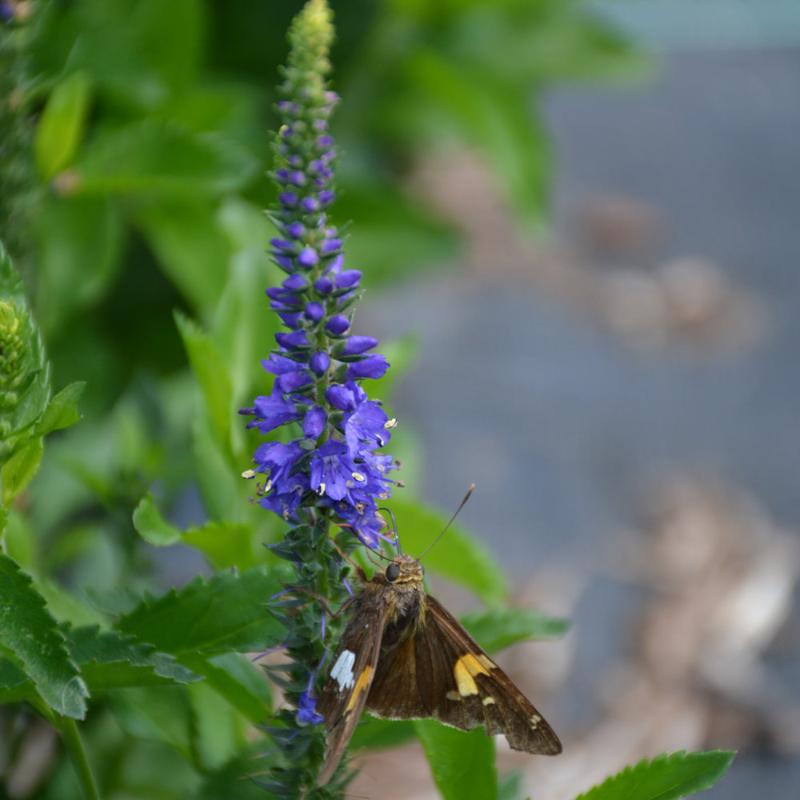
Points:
392	572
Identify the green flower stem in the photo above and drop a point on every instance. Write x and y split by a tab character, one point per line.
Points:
73	743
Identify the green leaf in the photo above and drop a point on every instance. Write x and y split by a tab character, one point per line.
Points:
110	660
241	324
224	544
237	679
157	158
151	526
373	733
462	762
79	244
489	114
217	729
212	374
20	468
223	614
394	234
29	632
191	248
62	124
227	544
511	787
499	628
156	713
667	777
62	410
219	484
457	556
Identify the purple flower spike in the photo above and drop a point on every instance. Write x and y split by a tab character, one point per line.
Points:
371	367
315	311
337	324
295	283
321	464
319	363
323	285
292	340
341	397
348	278
314	422
295	229
308	257
356	345
332	470
307	713
331	246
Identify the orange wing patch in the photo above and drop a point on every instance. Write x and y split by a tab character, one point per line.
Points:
467	668
362	684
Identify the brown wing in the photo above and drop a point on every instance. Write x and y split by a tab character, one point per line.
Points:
350	676
442	672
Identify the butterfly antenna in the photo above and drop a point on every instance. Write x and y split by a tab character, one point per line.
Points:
450	521
394	527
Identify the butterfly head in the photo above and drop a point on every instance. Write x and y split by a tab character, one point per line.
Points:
404	570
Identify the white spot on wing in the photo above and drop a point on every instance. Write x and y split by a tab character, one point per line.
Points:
342	671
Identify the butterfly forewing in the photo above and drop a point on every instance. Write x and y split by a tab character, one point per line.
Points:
404	656
351	676
441	672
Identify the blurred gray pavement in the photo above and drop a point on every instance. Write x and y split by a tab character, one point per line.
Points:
561	424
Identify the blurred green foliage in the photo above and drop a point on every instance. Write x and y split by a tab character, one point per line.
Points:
133	145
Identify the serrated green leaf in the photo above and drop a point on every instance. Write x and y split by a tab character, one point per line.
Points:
499	628
458	556
151	526
62	410
462	762
212	375
110	660
223	614
29	632
61	126
157	158
237	679
667	777
20	468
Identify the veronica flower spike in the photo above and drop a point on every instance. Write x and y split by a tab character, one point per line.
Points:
328	468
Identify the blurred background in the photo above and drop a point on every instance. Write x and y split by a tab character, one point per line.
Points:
577	226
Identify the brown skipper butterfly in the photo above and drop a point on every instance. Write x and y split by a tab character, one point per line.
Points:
404	656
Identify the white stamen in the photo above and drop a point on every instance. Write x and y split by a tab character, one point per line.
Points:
321	490
342	671
390	423
359	477
249	474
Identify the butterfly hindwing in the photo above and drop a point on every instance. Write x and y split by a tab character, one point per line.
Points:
440	671
351	675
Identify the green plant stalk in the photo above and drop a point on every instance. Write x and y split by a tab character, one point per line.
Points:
73	743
